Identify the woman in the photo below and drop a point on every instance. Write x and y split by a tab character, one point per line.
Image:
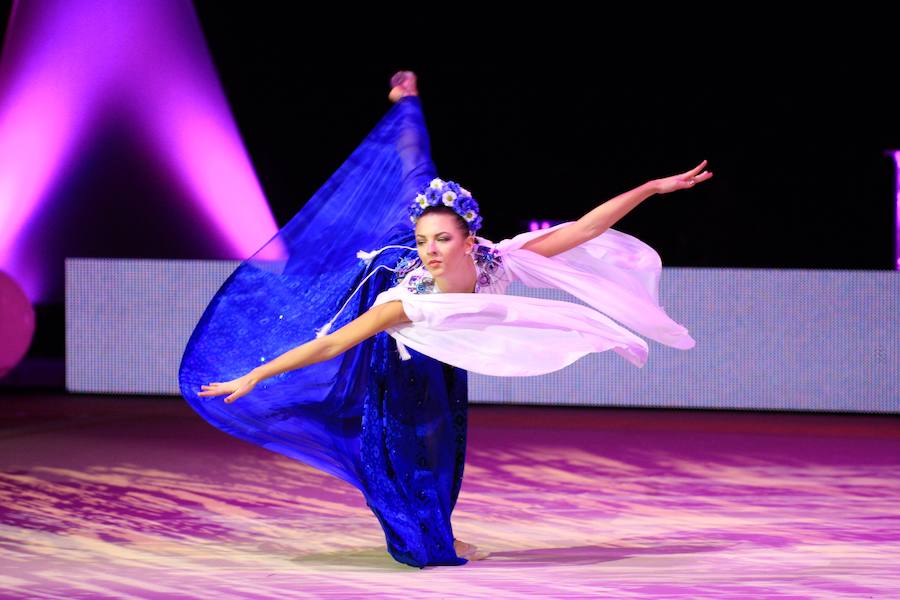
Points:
404	412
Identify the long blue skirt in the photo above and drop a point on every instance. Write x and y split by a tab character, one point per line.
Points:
394	429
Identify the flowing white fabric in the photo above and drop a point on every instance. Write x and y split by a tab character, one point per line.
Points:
493	333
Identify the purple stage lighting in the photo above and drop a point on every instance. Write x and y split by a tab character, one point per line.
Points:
896	154
66	66
535	225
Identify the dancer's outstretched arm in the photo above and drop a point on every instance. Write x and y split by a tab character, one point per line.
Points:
374	320
607	214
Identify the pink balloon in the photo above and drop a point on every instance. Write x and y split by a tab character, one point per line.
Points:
16	323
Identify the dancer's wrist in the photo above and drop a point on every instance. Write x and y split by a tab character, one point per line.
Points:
651	187
258	374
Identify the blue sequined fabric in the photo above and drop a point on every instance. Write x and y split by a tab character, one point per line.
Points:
394	429
413	451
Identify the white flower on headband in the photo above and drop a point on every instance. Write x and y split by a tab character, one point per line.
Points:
437	193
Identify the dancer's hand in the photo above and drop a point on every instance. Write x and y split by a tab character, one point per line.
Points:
236	387
683	181
403	83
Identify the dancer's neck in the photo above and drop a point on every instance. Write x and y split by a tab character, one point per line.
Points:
462	281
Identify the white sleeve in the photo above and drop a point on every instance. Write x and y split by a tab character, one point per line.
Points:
615	273
505	335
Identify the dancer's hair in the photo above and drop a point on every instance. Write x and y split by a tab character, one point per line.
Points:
447	194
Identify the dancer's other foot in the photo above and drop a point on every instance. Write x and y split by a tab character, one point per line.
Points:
469	551
403	84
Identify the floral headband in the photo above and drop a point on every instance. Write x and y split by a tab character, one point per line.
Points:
450	194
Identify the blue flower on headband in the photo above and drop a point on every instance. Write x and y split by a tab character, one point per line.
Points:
450	194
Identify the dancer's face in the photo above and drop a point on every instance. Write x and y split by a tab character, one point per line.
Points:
442	246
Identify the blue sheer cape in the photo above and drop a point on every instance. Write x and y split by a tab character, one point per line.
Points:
394	429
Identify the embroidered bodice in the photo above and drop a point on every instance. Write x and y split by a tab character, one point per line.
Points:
491	276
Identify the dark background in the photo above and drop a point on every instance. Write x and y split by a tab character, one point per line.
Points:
794	124
546	115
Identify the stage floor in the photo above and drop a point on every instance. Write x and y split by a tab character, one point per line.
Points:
135	497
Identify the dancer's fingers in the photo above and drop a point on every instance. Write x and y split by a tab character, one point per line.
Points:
235	395
693	172
211	390
692	181
696	169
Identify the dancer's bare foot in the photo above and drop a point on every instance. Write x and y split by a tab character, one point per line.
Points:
403	84
469	551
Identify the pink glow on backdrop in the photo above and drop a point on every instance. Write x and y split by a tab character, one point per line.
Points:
179	101
64	63
42	107
535	225
16	323
897	209
31	149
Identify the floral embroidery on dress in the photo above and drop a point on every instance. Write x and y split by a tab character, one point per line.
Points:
421	284
404	266
489	263
416	282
